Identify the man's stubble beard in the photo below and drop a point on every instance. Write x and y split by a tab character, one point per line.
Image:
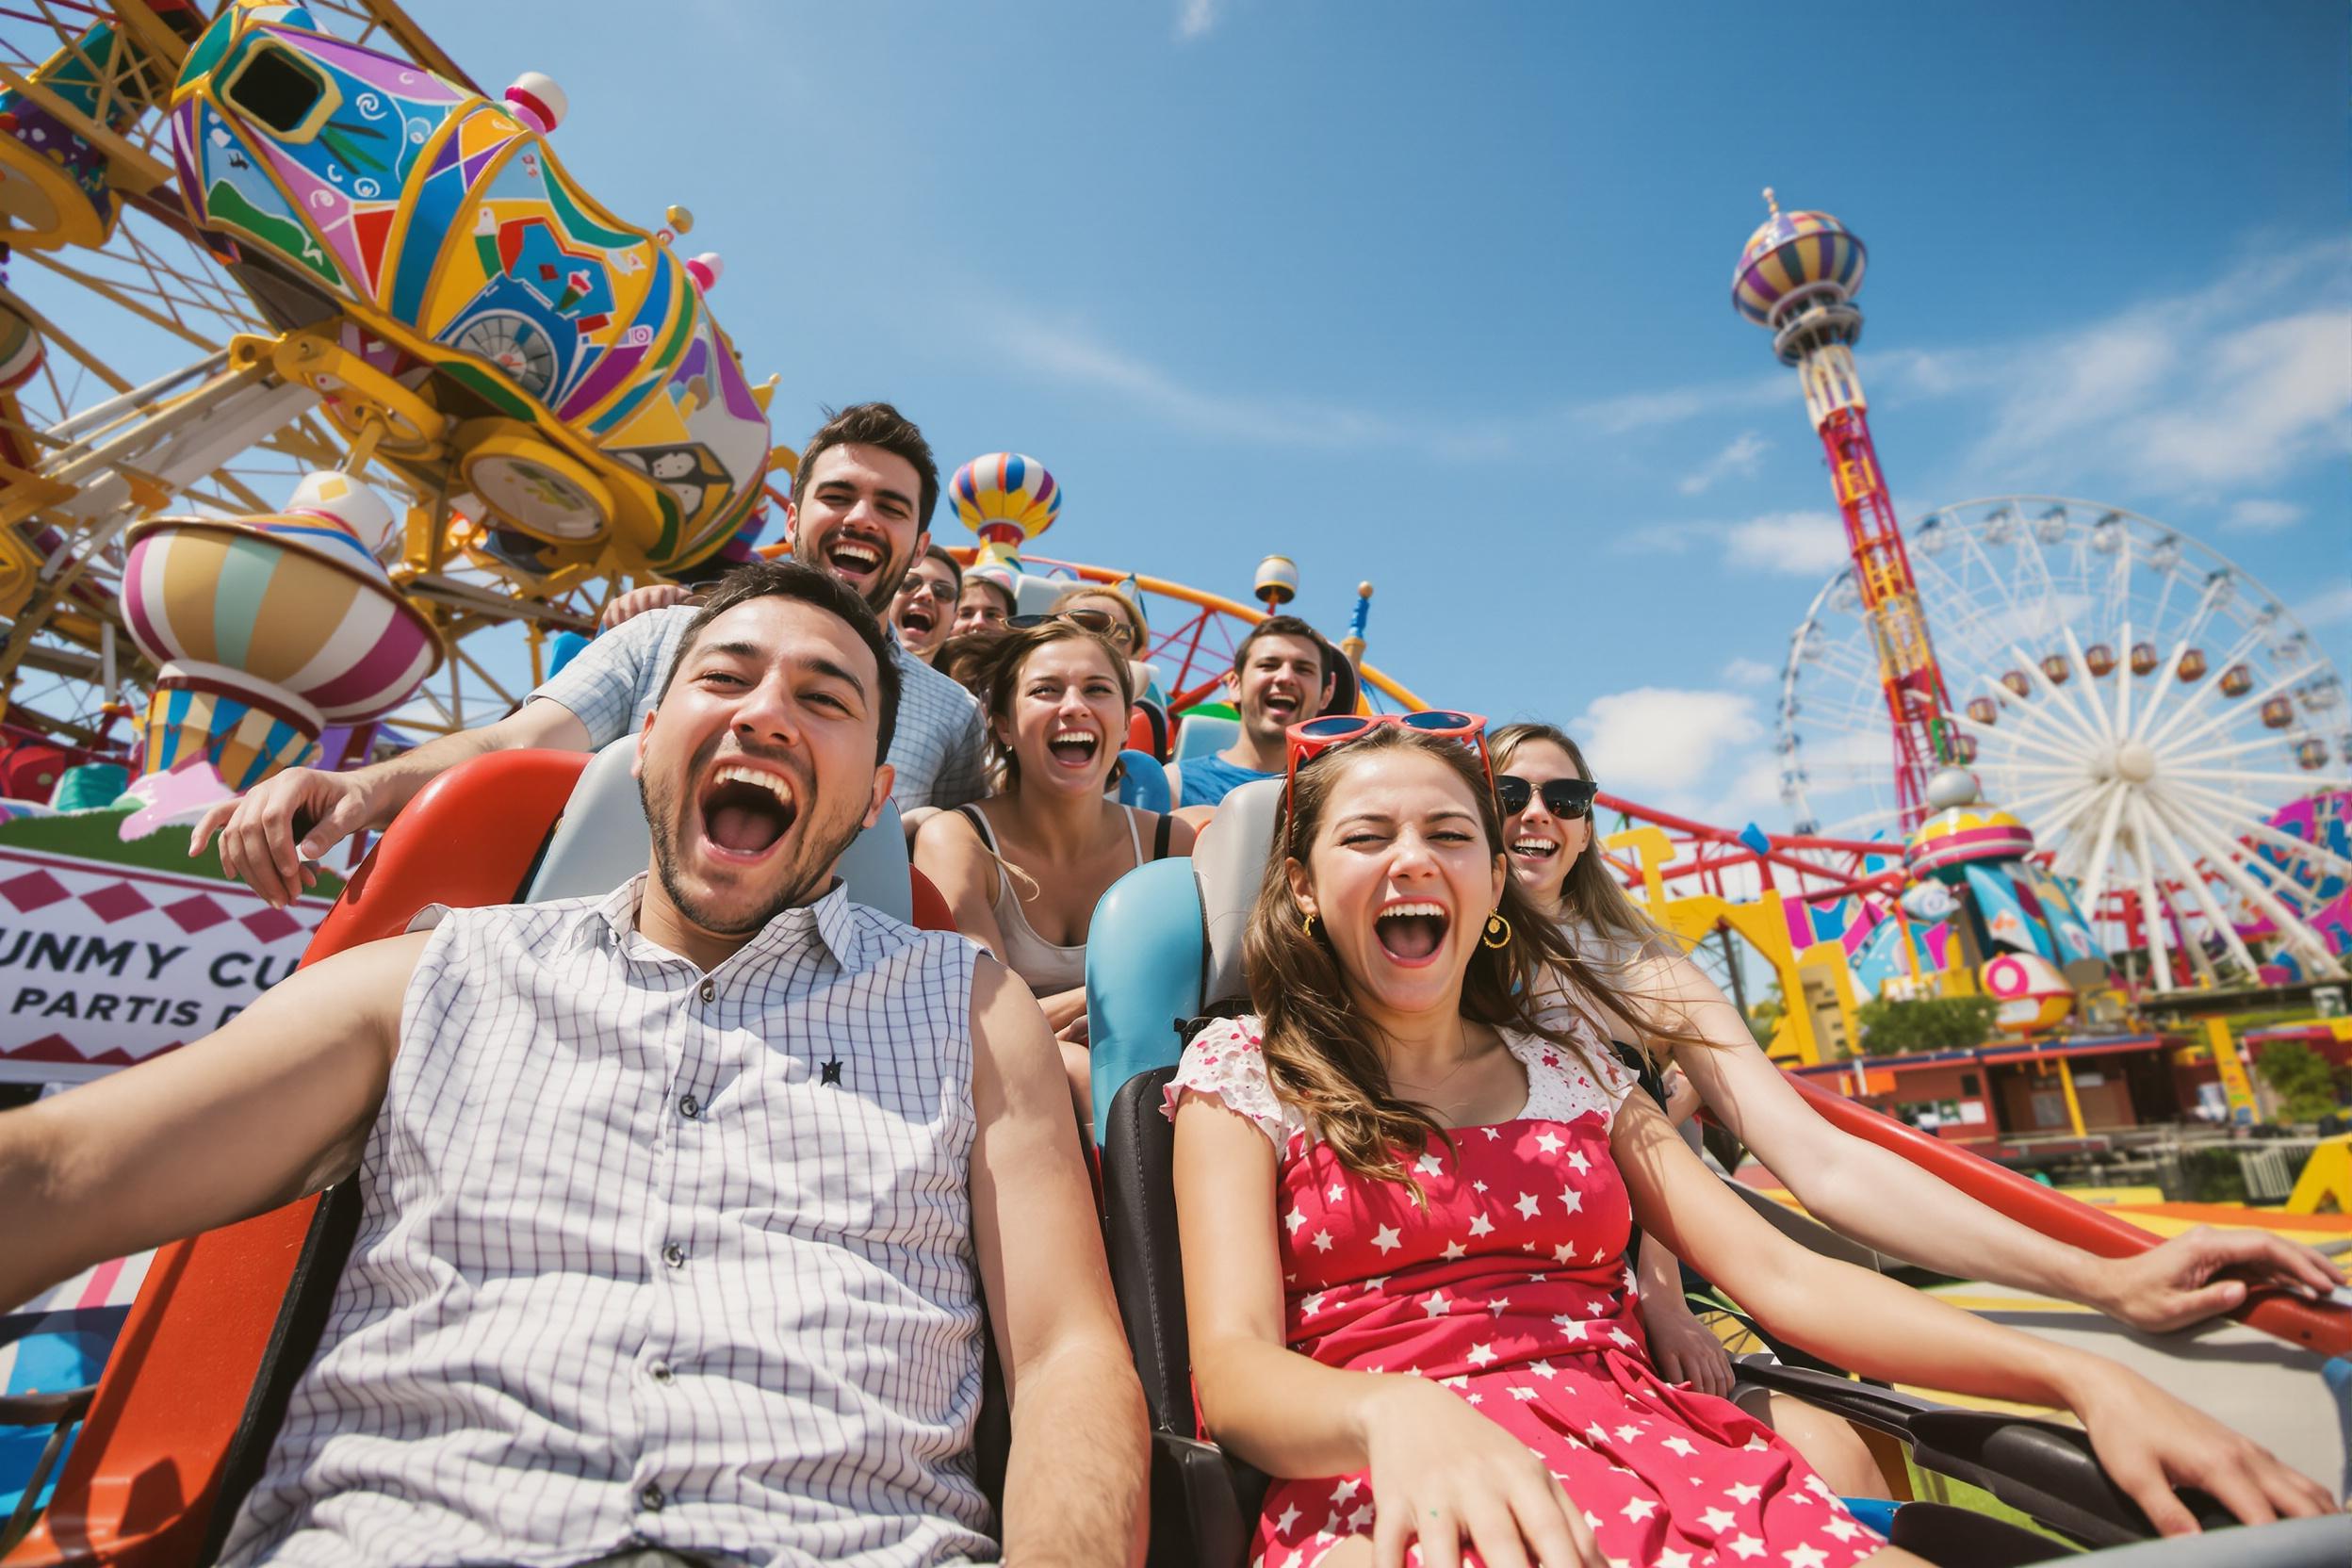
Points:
803	879
894	573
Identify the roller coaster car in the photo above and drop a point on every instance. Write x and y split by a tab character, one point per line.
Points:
178	1427
446	285
1165	946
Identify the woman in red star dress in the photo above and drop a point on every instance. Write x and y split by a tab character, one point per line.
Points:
1430	1337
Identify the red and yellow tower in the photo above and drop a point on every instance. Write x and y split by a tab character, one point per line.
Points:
1798	275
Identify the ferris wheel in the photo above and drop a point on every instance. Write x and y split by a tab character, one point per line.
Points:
2145	705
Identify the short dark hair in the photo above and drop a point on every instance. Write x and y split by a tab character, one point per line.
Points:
1287	625
996	585
939	554
792	580
872	425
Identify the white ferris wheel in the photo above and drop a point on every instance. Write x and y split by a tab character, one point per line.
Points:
2144	705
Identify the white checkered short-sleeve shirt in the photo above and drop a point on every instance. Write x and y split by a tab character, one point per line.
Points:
941	749
650	1257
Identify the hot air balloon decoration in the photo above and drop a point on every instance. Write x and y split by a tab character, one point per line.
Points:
267	629
1008	499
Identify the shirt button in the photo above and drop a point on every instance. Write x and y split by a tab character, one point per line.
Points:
710	990
690	1107
652	1497
660	1371
674	1255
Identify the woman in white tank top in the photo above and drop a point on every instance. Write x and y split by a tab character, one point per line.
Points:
1023	869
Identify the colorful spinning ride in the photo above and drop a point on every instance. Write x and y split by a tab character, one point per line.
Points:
1798	275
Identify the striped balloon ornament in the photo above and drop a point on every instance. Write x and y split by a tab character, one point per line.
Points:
1005	497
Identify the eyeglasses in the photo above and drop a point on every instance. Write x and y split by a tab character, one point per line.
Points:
1565	798
1100	622
1312	737
941	592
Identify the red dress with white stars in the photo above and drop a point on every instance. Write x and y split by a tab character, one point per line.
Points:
1512	1290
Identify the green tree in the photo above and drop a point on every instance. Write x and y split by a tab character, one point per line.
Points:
2300	1077
1933	1023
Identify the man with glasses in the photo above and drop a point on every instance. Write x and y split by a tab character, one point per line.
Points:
860	511
923	613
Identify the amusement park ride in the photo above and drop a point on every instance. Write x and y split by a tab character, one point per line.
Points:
330	399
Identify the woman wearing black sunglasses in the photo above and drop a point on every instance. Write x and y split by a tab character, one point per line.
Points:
1855	1187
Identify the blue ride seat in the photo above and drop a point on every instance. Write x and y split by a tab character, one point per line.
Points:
1142	782
1203	734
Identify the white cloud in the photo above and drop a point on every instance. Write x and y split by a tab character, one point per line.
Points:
1738	458
2263	517
1194	18
1657	740
2327	607
1743	670
1803	544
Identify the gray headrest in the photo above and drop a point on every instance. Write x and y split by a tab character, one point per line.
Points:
1202	733
601	842
1228	865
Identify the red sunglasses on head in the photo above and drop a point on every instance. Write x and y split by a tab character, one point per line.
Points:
1312	737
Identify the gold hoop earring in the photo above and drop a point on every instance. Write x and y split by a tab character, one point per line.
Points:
1307	925
1497	931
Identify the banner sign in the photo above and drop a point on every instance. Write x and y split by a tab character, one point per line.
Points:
113	951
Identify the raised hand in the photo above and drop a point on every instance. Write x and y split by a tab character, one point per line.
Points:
629	606
258	829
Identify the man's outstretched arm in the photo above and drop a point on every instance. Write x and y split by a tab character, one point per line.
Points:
274	1104
1075	1483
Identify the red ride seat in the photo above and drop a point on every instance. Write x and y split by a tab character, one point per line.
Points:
227	1320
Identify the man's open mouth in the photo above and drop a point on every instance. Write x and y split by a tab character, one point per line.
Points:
855	558
1412	931
1283	707
917	619
1534	849
1074	748
745	811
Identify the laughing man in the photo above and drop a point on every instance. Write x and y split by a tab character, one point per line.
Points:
685	1208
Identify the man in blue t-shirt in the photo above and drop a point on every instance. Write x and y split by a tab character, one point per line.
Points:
1282	674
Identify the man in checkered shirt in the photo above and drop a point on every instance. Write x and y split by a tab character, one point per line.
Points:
684	1209
861	510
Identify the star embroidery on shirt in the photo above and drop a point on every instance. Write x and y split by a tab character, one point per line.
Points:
1577	1163
1427	1164
1289	1517
1480	1354
1308	1307
1542	1369
1640	1508
1563	1253
832	1071
1336	1193
1747	1545
1526	1205
1844	1529
1626	1434
1434	1303
1454	1249
1596	1432
1363	1516
1718	1519
1680	1445
1345	1489
1550	1142
1671	1558
1573	1330
1322	1241
1804	1556
1572	1199
1490	1133
1387	1238
1481	1225
1519	1392
1478	1188
1744	1493
1498	1305
1297	1218
1374	1282
1622	1337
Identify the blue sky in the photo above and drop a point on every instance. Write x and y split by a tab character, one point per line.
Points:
1437	296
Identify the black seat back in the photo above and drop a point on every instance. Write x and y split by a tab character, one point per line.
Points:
1147	1263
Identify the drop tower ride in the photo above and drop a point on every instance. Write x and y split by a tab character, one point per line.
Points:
1798	275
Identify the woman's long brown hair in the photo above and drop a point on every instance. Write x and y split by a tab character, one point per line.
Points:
1320	1054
